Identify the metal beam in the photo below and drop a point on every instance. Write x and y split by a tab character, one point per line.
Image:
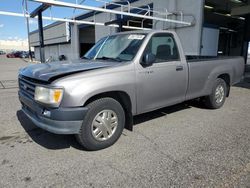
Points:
70	20
240	10
116	22
112	22
38	12
41	8
41	38
98	9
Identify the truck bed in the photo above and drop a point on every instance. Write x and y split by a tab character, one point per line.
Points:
191	59
203	71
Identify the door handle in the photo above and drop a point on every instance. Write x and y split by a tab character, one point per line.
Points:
179	68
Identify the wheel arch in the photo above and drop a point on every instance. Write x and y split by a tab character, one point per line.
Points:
123	98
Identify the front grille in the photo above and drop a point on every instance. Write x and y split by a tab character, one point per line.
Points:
26	87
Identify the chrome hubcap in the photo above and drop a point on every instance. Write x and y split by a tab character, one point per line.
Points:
104	125
219	94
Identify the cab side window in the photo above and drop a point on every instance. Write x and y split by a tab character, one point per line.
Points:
164	47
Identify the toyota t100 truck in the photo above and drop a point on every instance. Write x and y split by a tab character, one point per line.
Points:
123	75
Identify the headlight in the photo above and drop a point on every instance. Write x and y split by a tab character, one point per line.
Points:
48	96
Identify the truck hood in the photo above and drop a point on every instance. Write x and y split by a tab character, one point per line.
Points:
49	72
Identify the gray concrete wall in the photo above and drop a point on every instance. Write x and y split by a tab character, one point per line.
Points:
190	36
102	31
54	51
70	50
210	41
74	47
54	33
163	6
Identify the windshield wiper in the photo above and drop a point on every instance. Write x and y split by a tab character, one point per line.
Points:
110	58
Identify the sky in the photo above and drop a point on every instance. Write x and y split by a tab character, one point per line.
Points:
14	28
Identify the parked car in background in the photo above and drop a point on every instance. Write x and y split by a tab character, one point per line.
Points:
24	54
2	52
14	54
19	54
10	55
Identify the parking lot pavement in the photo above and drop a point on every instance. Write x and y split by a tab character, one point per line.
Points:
180	146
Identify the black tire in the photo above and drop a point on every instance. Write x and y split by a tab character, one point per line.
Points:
210	101
86	138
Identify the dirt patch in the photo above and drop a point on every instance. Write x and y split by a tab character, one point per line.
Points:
6	138
11	140
5	162
8	84
27	179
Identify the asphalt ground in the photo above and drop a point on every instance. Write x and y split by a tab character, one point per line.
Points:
184	145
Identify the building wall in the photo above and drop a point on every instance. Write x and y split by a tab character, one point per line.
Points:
189	36
54	33
210	41
54	51
102	31
170	6
70	49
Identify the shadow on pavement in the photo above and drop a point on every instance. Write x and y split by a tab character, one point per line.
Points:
44	138
27	60
246	82
169	110
159	113
245	85
55	141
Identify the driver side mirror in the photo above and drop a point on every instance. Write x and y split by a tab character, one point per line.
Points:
148	60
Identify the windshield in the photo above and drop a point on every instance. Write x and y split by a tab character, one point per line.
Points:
118	47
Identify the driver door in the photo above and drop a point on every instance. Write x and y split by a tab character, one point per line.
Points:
163	83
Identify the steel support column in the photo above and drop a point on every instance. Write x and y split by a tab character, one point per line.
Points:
245	45
41	37
38	12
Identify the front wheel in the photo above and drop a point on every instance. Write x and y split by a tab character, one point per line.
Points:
218	96
102	125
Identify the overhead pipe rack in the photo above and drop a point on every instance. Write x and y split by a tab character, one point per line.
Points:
69	20
106	10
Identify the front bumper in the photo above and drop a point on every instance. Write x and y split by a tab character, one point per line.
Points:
55	120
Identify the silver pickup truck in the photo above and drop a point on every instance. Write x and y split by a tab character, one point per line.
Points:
123	75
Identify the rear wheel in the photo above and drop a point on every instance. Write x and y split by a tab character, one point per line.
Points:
218	96
102	125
